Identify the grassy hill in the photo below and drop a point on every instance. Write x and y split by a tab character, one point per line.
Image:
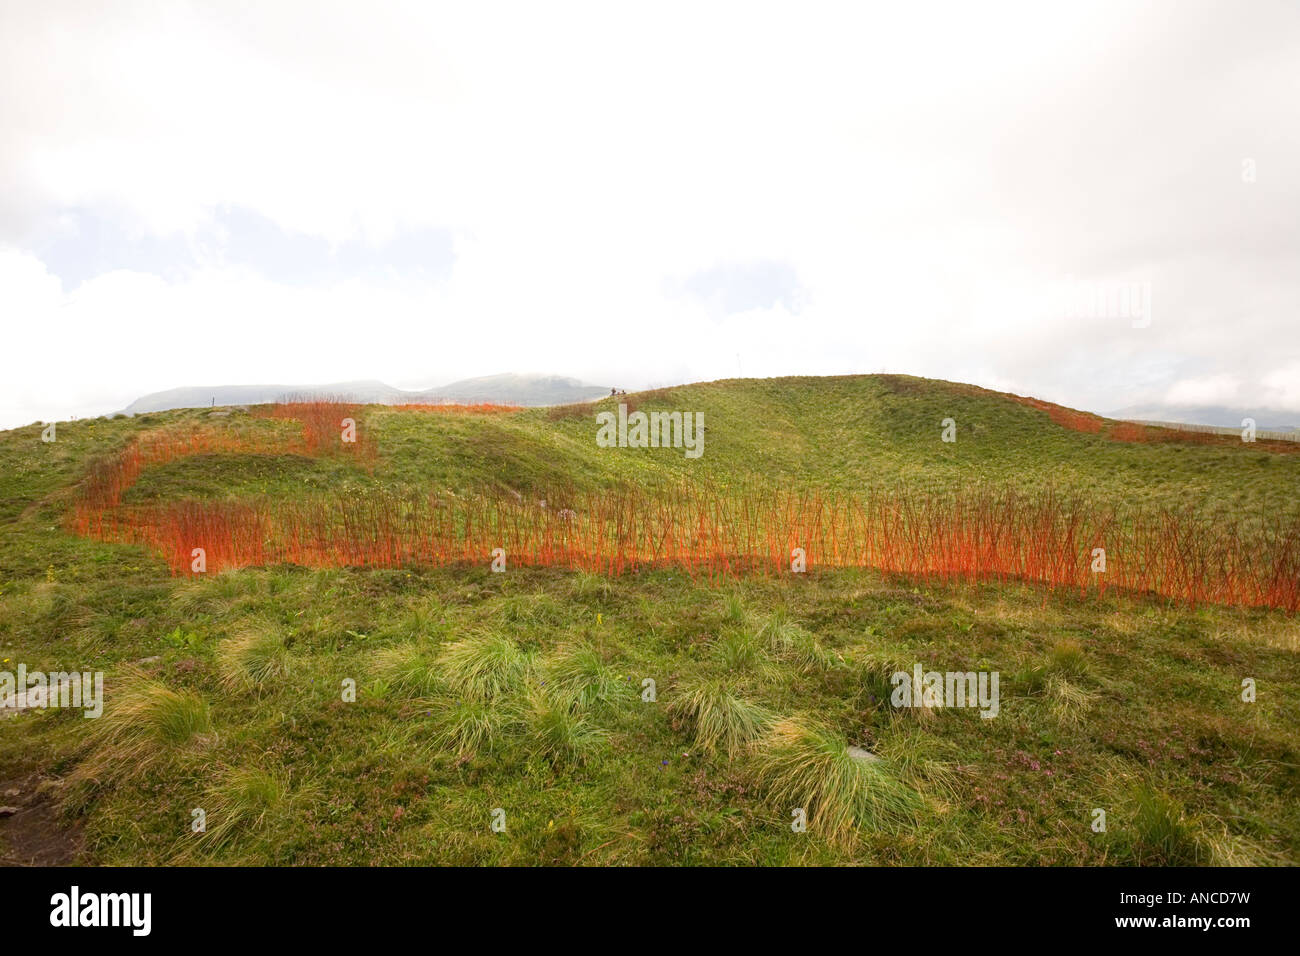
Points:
523	691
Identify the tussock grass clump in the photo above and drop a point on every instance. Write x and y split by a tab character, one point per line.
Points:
486	666
254	659
916	757
410	668
471	726
809	766
740	650
148	723
733	611
720	717
1162	833
592	588
217	594
561	735
1058	678
242	805
1066	658
1068	702
577	673
872	670
796	646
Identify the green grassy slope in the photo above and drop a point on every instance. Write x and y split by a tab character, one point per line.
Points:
843	433
1128	705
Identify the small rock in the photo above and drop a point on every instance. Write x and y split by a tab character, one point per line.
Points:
8	811
857	753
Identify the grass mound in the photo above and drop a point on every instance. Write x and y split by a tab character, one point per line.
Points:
485	666
721	718
579	674
147	724
807	766
472	726
254	659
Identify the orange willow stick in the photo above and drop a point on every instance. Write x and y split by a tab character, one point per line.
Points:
982	533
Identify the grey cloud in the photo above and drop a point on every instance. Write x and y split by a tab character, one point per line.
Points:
81	244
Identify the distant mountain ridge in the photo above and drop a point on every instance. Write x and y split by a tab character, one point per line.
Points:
1266	419
506	389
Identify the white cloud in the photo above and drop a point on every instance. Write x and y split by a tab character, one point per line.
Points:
920	172
1283	387
1210	390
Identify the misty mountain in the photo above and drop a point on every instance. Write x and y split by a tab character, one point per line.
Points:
1266	419
513	389
508	389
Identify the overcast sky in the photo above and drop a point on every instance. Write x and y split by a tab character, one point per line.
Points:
270	192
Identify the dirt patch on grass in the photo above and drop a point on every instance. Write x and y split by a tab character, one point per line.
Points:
1070	418
36	834
1133	432
1154	434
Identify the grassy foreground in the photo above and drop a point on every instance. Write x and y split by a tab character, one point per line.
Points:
525	692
